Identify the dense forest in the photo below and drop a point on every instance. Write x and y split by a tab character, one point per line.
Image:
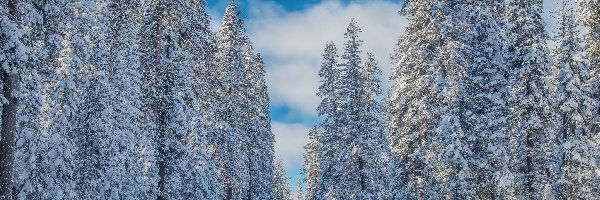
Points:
131	100
140	99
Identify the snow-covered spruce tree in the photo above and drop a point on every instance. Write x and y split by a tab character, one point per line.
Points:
532	123
169	63
576	154
590	12
316	152
451	172
244	143
589	15
63	97
311	165
374	154
13	60
44	154
486	94
231	143
95	104
29	175
348	157
258	127
416	95
281	188
127	173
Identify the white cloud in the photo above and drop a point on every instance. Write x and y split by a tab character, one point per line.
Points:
290	140
292	43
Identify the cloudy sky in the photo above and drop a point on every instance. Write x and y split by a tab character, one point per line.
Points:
291	36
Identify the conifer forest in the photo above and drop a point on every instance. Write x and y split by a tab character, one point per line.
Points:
144	99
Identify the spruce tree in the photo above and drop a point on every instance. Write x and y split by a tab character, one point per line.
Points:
169	60
261	139
127	172
29	175
417	94
486	94
316	151
533	118
348	155
374	161
576	153
229	64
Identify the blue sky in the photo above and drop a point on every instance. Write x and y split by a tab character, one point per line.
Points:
291	35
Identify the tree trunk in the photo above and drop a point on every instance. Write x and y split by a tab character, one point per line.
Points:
9	127
158	104
9	124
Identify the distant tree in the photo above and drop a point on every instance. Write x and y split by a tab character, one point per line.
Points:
299	194
281	188
348	155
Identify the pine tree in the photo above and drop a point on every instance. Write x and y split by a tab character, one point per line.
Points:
261	139
348	155
576	154
589	14
168	56
417	94
532	123
315	149
374	147
127	173
229	64
29	175
93	100
281	188
590	11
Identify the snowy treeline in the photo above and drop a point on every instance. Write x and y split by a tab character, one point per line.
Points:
131	99
480	108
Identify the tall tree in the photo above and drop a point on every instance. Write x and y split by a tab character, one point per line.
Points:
590	12
417	93
374	154
576	152
532	124
127	142
261	139
169	30
348	157
29	174
316	151
229	64
486	92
